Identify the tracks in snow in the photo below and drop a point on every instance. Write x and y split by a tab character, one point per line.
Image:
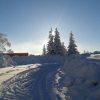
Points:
32	84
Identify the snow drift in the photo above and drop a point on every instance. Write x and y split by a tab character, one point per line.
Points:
81	79
38	59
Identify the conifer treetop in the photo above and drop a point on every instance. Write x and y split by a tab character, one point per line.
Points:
72	46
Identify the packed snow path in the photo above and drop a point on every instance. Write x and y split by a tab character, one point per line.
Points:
32	84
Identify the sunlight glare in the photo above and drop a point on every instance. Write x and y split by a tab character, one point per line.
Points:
53	32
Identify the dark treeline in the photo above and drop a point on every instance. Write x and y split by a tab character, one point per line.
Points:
56	47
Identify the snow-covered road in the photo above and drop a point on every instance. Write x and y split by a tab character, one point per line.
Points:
32	84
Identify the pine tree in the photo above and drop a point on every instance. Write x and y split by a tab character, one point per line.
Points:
50	45
84	51
44	50
64	50
57	44
72	46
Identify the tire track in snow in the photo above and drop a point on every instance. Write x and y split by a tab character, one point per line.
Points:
32	84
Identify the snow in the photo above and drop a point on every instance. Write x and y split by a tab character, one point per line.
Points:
38	59
81	79
77	79
5	61
8	72
94	56
6	75
31	84
59	92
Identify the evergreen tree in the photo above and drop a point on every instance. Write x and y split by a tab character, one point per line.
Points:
72	46
84	51
44	50
57	44
50	44
4	42
64	50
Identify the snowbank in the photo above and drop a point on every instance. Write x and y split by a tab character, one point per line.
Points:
81	79
37	59
94	56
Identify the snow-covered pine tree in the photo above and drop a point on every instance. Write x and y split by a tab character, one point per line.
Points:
57	44
4	42
44	50
50	44
72	46
64	50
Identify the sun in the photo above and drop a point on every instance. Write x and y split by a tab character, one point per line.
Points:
53	32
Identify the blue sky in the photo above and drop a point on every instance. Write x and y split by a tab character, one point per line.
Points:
27	22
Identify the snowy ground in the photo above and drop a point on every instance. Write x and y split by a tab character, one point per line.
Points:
8	72
28	82
78	79
94	56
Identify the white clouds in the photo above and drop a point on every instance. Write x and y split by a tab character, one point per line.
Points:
29	46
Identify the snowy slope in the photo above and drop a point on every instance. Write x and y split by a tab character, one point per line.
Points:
79	79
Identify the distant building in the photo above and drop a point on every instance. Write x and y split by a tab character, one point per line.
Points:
16	54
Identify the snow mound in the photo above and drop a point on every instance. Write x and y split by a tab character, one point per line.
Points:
38	59
79	67
94	56
81	79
